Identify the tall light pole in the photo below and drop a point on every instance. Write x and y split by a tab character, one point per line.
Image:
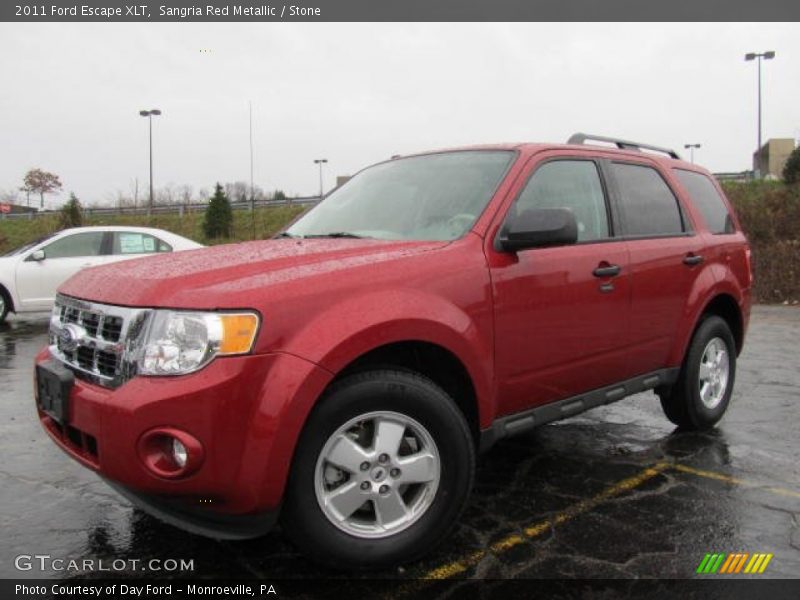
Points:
150	114
320	162
691	148
769	55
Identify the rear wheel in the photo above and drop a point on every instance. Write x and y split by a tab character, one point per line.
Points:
700	397
382	471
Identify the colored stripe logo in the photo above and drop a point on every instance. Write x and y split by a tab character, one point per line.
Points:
734	563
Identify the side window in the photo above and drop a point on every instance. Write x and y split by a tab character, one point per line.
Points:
708	201
80	244
648	205
134	242
573	184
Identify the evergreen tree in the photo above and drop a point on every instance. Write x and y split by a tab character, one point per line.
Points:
218	218
791	170
72	213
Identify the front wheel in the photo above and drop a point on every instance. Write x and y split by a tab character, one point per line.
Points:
381	473
700	397
5	304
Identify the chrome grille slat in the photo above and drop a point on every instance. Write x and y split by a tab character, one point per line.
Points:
100	333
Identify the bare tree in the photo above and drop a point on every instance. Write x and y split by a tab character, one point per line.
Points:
41	182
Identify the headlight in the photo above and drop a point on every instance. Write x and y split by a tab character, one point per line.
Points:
178	342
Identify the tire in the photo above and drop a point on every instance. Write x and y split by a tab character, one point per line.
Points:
360	419
5	304
700	396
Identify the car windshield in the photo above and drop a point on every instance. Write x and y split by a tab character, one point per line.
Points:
427	197
28	246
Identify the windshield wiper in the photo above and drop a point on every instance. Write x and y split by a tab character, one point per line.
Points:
287	235
336	234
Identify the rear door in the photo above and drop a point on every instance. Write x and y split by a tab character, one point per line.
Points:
665	255
134	244
561	313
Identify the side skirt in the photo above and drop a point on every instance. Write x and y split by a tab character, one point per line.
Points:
569	407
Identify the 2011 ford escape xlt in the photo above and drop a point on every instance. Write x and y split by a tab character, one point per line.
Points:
345	374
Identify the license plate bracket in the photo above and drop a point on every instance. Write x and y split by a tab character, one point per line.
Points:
53	385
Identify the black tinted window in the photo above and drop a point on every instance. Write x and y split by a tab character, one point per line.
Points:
707	199
573	184
648	205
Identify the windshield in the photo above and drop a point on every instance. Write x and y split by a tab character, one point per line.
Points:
429	197
28	246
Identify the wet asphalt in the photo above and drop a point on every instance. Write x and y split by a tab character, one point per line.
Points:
614	493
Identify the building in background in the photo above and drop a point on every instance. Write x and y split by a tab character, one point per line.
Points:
771	157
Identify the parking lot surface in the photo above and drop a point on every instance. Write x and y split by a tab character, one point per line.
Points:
616	492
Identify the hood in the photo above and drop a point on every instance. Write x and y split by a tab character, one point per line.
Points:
227	276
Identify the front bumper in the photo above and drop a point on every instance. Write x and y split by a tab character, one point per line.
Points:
247	412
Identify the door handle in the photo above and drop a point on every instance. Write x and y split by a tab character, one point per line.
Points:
692	259
607	270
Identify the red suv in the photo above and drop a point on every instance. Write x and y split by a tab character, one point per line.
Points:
345	373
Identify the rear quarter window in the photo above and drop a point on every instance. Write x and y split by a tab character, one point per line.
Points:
708	201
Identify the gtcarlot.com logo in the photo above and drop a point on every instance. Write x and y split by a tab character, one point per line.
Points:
734	563
46	562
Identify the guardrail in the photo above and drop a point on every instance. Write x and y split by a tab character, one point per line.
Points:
160	209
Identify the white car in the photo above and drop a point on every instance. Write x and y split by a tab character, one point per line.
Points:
30	275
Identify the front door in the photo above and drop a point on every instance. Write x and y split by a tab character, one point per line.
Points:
37	280
561	313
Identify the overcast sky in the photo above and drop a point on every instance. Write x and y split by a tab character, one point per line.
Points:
359	93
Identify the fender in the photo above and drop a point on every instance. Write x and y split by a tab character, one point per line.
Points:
339	335
344	331
11	291
707	287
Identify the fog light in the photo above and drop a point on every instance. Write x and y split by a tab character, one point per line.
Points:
178	453
170	453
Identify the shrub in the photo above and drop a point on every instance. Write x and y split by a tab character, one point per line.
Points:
71	214
791	170
218	219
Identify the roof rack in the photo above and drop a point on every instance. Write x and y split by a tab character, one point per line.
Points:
581	138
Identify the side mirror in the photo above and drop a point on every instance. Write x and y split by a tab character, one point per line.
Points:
537	228
37	255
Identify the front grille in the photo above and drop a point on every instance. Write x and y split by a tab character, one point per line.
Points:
92	338
76	440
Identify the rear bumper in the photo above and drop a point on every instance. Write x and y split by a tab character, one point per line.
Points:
246	412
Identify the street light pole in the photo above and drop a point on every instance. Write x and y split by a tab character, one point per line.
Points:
769	55
320	162
150	114
691	148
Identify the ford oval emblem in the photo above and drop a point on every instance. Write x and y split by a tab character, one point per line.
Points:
69	336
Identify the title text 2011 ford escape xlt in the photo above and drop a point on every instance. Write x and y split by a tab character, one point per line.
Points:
345	373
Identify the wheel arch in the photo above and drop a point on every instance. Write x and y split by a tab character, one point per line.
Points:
8	297
723	304
434	361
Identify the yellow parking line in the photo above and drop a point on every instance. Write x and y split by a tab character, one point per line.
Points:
734	480
452	569
459	566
